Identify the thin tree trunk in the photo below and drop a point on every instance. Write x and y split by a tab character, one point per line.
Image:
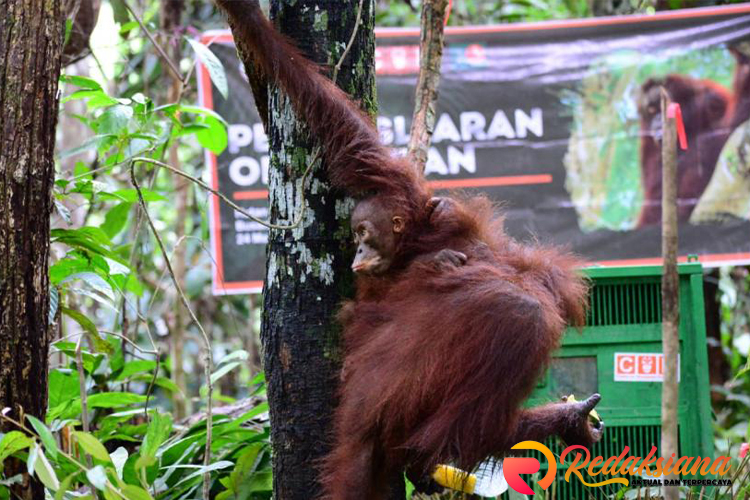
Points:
430	59
308	268
31	37
669	293
171	15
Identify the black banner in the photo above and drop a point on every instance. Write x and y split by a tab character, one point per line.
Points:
556	121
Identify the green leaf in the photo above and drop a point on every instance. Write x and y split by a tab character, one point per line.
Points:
94	281
62	388
212	64
97	98
186	108
134	286
236	423
114	120
246	465
97	477
239	354
222	464
87	239
66	267
101	101
92	446
12	442
48	440
116	267
116	219
44	471
133	367
125	28
214	138
166	384
114	399
82	171
81	81
158	432
133	492
68	30
121	13
111	494
89	327
224	370
131	195
65	486
91	144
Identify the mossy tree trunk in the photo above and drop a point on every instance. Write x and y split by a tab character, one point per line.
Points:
31	37
309	267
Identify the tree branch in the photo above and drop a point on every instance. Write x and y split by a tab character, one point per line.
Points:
207	356
430	58
223	197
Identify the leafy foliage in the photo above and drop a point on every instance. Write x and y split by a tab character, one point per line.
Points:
110	427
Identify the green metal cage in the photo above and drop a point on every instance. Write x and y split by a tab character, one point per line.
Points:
617	355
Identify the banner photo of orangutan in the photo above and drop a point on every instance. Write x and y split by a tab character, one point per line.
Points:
558	122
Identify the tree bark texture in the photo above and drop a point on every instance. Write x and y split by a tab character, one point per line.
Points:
670	294
31	38
308	271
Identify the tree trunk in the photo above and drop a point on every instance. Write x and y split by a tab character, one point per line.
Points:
31	37
308	268
670	294
171	18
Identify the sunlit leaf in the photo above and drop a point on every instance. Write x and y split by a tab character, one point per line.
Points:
214	138
213	65
94	281
222	464
215	376
44	471
114	120
97	477
92	446
119	458
133	492
81	81
48	440
12	442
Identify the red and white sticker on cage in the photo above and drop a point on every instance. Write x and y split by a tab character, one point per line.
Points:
641	367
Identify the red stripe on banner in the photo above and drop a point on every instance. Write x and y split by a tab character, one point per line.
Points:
511	180
657	261
240	285
258	194
573	23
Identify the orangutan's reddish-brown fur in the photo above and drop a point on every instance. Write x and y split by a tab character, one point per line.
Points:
439	358
710	114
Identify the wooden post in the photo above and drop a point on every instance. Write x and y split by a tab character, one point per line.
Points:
430	57
670	298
